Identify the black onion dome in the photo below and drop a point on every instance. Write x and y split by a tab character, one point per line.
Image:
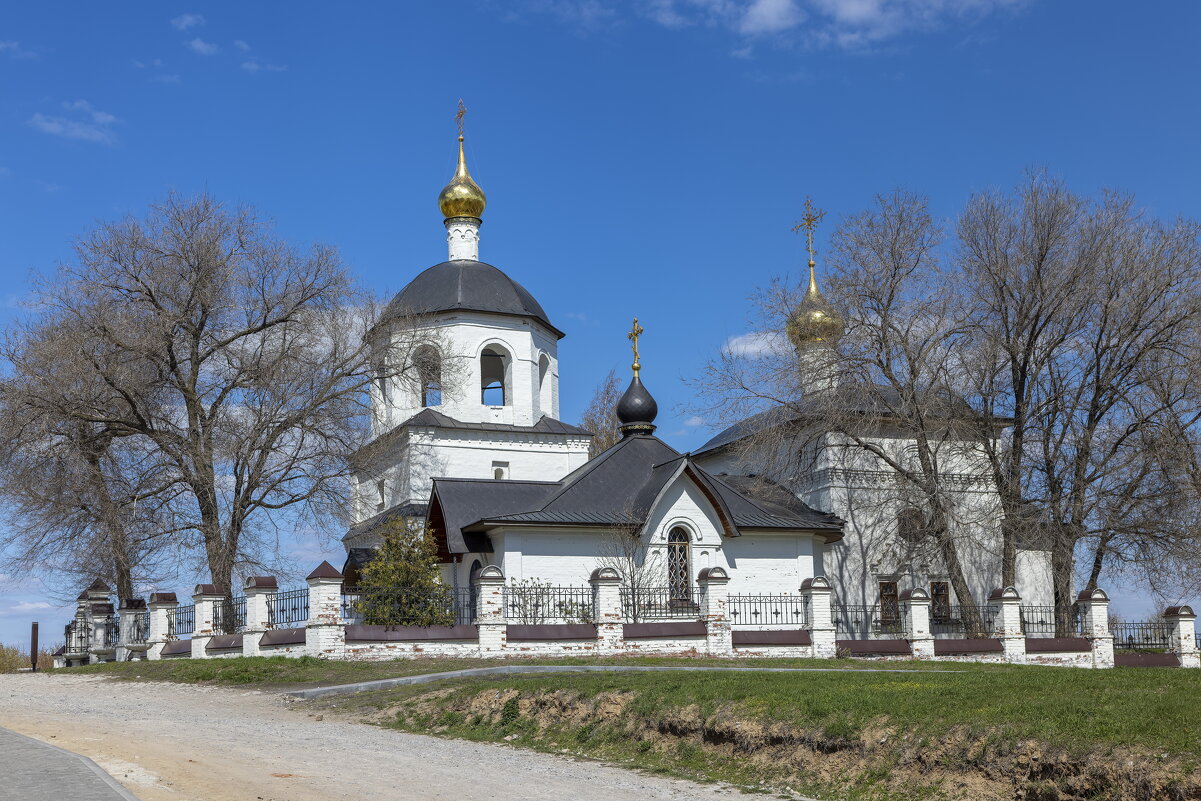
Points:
470	286
637	409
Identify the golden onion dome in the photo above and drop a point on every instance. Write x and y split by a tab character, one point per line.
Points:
814	319
462	197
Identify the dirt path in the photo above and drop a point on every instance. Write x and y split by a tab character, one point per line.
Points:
171	742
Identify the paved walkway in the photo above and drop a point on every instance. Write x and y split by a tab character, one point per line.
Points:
32	770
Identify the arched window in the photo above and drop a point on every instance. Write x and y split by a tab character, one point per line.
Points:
429	374
679	568
494	376
545	391
911	526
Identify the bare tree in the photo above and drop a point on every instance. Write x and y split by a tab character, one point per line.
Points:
82	500
256	360
600	417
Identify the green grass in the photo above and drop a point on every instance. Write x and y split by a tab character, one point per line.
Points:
1152	708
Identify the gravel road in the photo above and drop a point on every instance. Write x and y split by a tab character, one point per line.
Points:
174	742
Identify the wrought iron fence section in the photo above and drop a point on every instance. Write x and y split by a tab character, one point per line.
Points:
112	632
78	636
1039	621
1142	636
768	610
409	606
181	620
956	621
139	628
640	604
865	622
288	608
229	616
532	603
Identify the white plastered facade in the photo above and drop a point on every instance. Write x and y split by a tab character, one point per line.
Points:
758	562
846	481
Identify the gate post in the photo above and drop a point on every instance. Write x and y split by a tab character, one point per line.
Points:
915	609
1184	638
1094	613
490	611
162	606
325	636
1008	626
258	590
606	589
821	624
206	597
714	583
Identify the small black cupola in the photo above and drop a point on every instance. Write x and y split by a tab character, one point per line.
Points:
636	410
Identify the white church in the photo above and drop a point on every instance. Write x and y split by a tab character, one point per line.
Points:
486	462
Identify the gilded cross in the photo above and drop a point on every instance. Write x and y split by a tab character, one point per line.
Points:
809	222
635	332
460	115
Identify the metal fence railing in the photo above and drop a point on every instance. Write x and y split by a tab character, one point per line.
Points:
641	604
288	608
960	621
181	620
77	636
112	632
1142	636
139	629
409	606
1039	621
533	603
768	611
229	616
865	622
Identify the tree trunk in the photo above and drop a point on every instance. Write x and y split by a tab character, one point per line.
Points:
1062	568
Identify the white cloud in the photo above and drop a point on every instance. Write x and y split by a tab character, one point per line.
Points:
28	606
770	16
693	422
83	122
756	345
14	50
185	21
827	23
238	43
202	47
259	66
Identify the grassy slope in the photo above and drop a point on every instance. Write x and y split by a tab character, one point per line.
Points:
307	671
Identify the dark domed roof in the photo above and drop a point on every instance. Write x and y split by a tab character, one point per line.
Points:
636	411
468	285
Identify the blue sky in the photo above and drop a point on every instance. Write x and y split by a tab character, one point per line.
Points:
639	158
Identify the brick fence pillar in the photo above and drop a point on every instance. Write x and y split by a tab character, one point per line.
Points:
127	648
206	597
162	606
915	611
821	624
325	635
258	590
1094	615
1008	624
1184	637
714	583
606	590
490	610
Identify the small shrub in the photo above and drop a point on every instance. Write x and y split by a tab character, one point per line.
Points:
510	712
